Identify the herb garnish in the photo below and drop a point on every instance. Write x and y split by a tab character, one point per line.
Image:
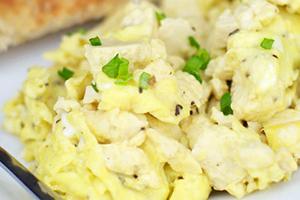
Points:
65	73
225	104
117	68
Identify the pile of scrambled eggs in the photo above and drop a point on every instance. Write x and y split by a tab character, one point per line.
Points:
167	103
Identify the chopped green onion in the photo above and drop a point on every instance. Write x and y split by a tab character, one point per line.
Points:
124	76
111	69
144	80
205	58
117	68
65	73
225	104
95	41
267	43
197	62
193	67
160	16
194	42
94	85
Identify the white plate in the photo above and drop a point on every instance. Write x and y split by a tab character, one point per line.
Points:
13	67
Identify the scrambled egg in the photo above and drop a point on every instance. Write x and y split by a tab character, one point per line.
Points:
167	103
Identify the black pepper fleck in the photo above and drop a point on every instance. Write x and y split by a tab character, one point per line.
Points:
245	124
178	108
194	108
229	83
275	56
246	183
140	90
234	32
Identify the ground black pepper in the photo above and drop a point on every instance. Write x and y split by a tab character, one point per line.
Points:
178	108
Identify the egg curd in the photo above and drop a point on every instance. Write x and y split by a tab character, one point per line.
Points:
167	103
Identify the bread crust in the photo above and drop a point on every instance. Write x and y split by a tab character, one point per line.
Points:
22	20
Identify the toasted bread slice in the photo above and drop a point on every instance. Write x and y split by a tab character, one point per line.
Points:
22	20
